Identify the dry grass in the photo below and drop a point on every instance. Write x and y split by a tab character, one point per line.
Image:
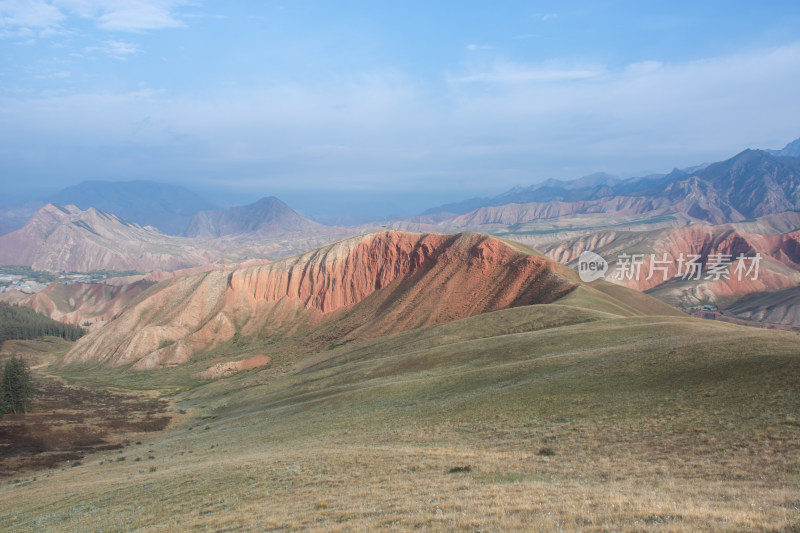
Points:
401	481
567	421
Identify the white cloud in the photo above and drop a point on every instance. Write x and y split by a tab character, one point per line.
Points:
544	17
28	17
116	49
473	47
503	124
507	72
647	113
61	74
128	15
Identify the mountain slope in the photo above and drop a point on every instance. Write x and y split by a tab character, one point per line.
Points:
792	149
778	268
360	288
775	307
13	217
148	203
78	303
560	418
587	187
751	184
511	214
67	239
266	217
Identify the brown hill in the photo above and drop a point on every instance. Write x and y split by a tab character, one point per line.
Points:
67	239
362	287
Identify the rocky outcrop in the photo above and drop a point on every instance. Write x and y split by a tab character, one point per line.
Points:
334	277
365	286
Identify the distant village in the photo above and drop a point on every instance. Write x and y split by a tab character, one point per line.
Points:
29	281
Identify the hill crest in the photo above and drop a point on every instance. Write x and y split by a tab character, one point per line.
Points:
361	287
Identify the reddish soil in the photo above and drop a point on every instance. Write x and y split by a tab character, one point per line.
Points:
225	369
67	423
377	284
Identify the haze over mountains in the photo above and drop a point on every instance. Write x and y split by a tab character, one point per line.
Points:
60	238
791	150
753	183
266	217
171	208
148	203
66	239
685	211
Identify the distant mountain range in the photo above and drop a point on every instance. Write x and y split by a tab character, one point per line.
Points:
169	208
790	150
62	238
66	238
751	184
743	170
266	217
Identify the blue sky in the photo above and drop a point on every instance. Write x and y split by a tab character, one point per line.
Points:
409	103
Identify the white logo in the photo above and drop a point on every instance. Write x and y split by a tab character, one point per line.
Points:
591	266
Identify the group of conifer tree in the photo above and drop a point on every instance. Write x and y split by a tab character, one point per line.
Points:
23	324
16	388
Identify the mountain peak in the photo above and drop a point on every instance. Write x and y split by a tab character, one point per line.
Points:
59	238
148	203
268	216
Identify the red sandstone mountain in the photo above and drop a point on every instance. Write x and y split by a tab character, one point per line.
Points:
779	267
362	287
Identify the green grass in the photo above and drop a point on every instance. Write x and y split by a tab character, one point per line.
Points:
662	423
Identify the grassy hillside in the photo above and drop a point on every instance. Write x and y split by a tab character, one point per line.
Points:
540	418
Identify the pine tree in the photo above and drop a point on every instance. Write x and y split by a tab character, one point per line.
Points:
16	387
